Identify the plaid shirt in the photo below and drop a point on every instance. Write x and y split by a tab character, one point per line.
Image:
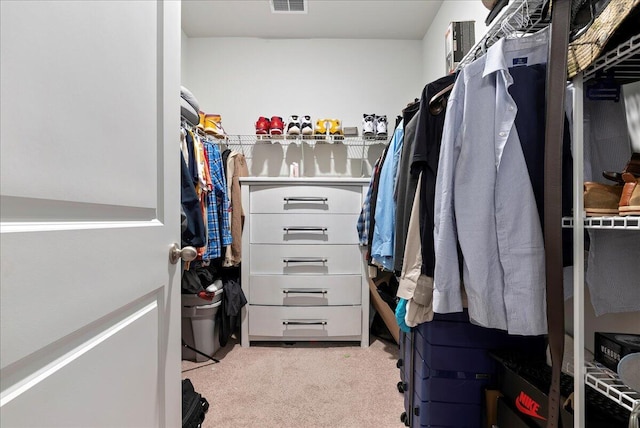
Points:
218	228
365	214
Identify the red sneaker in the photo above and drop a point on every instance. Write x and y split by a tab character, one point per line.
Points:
277	126
262	126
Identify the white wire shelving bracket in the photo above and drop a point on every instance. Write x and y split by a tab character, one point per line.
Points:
624	60
608	383
613	222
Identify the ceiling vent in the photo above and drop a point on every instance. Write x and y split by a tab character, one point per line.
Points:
288	6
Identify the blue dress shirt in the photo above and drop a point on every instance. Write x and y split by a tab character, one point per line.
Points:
485	202
385	215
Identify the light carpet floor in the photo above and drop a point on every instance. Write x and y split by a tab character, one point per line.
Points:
300	385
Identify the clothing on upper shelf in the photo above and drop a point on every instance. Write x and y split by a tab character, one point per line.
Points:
485	201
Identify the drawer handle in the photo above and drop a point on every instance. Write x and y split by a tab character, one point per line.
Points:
310	322
305	260
304	229
304	291
305	199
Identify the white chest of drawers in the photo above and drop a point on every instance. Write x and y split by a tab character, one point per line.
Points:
303	272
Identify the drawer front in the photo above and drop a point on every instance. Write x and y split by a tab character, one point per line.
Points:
304	229
289	290
306	321
305	260
306	199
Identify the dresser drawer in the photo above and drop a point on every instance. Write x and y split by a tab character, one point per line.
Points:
304	229
306	199
305	259
289	290
305	321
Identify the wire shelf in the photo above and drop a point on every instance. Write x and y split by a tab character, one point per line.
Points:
305	139
624	60
613	222
520	17
354	147
608	383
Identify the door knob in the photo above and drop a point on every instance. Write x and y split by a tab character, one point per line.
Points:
186	254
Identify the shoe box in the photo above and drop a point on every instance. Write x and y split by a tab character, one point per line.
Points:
453	368
508	417
524	384
611	347
527	400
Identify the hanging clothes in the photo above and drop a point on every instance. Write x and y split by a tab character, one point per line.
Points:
364	219
383	232
426	154
367	217
405	186
194	233
218	228
485	201
236	168
414	223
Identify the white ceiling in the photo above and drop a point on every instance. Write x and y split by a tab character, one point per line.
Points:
354	19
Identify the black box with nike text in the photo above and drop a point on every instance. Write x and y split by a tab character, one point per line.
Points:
611	347
529	400
509	417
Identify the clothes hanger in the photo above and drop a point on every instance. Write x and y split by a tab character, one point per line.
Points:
438	102
412	104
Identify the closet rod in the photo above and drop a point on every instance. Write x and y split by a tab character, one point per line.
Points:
525	16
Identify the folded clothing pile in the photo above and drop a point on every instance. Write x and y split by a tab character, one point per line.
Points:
189	107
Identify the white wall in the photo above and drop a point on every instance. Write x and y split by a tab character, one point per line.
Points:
433	50
244	78
184	45
625	322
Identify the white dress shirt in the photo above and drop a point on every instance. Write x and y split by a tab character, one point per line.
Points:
484	199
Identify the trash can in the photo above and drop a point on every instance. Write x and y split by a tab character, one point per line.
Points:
199	329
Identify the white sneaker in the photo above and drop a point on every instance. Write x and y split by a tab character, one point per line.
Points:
368	127
293	127
381	126
306	126
214	286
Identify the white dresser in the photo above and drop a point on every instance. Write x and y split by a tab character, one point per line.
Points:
303	271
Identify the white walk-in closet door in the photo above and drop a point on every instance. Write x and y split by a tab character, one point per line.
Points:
89	302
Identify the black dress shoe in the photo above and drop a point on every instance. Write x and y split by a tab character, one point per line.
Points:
632	167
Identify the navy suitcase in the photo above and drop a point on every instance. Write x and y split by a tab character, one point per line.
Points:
445	367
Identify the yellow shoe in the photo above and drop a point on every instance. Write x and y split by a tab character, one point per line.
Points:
335	128
321	127
201	124
213	125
